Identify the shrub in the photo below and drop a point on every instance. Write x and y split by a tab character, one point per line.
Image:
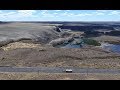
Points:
91	42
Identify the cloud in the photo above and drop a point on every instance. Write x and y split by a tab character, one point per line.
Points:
102	11
48	13
67	14
114	13
21	15
84	14
13	15
55	13
99	13
57	10
4	15
45	13
26	13
71	14
67	10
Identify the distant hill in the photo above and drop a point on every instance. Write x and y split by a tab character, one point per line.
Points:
32	31
113	33
1	22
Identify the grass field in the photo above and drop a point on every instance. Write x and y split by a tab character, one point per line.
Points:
57	76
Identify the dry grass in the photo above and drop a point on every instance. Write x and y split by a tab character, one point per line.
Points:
110	39
57	76
57	57
17	45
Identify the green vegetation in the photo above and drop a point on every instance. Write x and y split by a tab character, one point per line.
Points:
91	42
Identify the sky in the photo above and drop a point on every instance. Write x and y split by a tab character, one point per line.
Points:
59	15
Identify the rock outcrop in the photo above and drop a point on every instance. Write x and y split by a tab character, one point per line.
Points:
61	41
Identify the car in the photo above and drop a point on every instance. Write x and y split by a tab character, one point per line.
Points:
68	70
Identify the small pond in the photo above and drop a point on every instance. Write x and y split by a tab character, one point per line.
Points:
78	43
111	47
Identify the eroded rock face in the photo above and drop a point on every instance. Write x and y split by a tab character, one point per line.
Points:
32	31
61	41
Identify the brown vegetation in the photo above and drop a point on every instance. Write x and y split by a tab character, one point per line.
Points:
57	76
29	55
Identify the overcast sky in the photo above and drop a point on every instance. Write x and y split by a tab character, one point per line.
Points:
59	15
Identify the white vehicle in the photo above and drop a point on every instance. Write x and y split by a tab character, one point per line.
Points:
68	70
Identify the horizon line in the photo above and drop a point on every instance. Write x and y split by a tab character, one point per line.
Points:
59	21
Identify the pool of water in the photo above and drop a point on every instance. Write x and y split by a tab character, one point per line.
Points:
111	47
74	44
106	46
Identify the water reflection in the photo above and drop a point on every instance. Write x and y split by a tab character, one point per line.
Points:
111	47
